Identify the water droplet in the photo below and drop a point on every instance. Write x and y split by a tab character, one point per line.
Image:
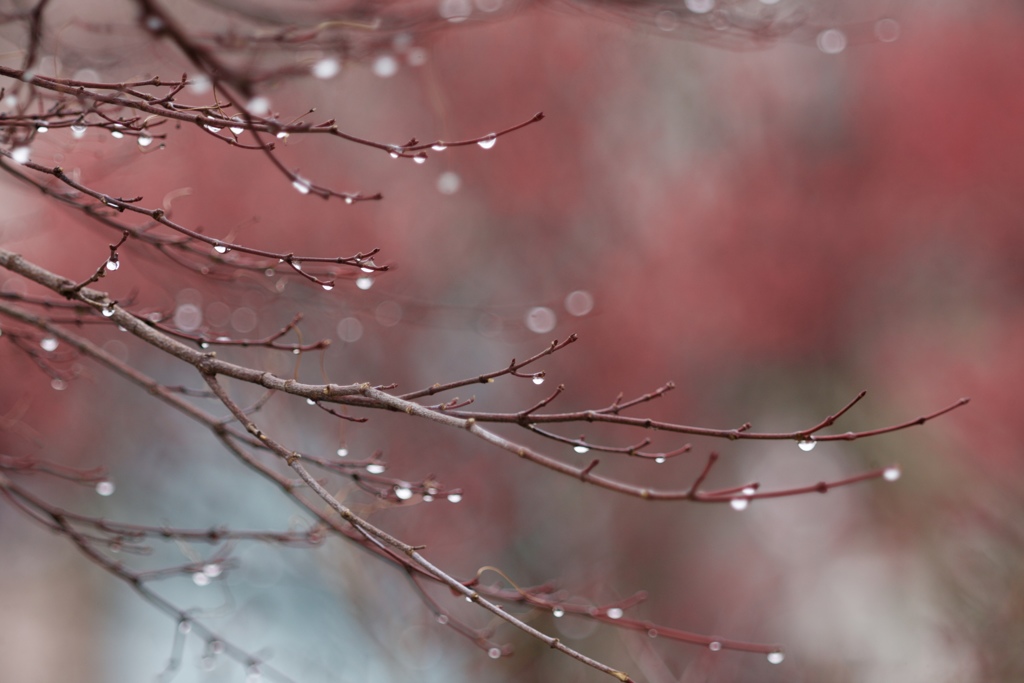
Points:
385	66
213	570
448	182
301	185
326	68
891	473
42	128
364	283
454	497
739	503
700	6
807	444
775	657
831	41
427	498
216	647
349	200
283	135
749	491
296	351
455	10
108	311
342	452
328	286
366	268
403	492
116	134
113	264
310	402
666	20
375	468
714	646
489	141
579	303
439	147
58	384
204	345
105	488
420	158
494	653
211	128
21	155
887	30
200	579
541	319
144	140
652	633
258	106
200	84
538	379
237	130
221	249
184	626
442	619
49	344
660	460
416	56
615	613
557	612
581	449
350	329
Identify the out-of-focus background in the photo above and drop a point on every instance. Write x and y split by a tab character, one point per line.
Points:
772	229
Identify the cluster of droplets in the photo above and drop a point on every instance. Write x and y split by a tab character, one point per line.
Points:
208	573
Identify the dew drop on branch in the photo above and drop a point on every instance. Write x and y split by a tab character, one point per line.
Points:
403	492
105	488
807	445
21	155
184	626
660	459
375	468
237	130
700	6
342	452
494	653
454	497
714	646
489	141
116	134
310	402
557	612
364	283
113	265
200	579
57	384
221	248
891	473
328	286
537	379
775	657
145	140
49	344
739	503
420	158
213	570
301	185
615	613
108	311
581	449
212	128
442	619
439	147
78	130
